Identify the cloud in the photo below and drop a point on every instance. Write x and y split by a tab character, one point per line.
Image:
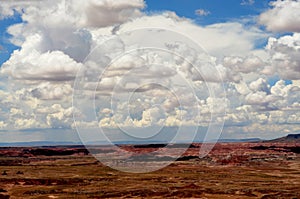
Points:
279	97
177	86
259	98
223	35
106	12
260	85
244	64
5	11
285	58
284	16
23	123
47	91
90	13
51	66
2	125
61	118
10	8
201	12
48	37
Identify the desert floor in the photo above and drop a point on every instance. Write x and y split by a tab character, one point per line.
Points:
244	170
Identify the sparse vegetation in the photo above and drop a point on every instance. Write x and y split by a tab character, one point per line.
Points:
230	171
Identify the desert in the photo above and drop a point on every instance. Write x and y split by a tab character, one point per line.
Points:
265	169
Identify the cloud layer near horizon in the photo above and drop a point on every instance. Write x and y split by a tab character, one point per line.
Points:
61	39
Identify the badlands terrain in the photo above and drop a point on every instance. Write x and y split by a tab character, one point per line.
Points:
265	169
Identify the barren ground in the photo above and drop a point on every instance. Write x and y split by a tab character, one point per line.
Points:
244	170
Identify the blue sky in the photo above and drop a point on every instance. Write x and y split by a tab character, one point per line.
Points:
220	11
7	47
254	46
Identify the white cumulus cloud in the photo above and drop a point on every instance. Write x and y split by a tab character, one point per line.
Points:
284	16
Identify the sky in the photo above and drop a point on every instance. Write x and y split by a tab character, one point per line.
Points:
149	70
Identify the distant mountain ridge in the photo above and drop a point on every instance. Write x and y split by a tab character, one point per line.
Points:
240	140
38	144
51	143
288	138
